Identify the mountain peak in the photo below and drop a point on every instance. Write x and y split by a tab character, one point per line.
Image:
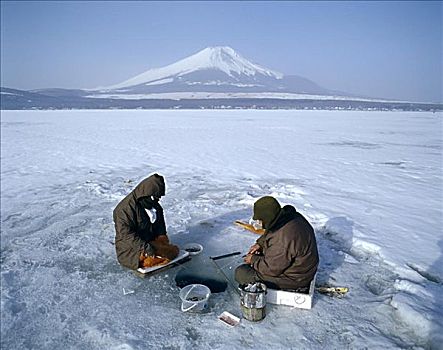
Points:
219	51
227	49
221	58
227	60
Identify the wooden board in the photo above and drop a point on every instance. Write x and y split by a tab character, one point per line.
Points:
249	227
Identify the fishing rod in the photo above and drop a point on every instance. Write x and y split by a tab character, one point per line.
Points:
214	258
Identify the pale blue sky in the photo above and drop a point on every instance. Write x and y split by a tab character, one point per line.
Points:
380	49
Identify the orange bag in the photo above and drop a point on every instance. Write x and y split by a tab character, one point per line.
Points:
150	261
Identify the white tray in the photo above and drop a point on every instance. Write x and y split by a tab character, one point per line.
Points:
181	255
229	319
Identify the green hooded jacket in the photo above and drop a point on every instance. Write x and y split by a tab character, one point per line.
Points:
133	227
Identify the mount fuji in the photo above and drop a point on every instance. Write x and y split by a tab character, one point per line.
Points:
215	77
215	70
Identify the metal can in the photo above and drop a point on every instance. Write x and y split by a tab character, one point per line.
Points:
253	301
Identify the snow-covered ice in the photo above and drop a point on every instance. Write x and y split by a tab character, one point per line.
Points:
370	183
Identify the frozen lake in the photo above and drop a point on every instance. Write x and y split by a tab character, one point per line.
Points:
371	184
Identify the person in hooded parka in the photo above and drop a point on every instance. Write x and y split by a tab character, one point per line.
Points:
285	256
140	229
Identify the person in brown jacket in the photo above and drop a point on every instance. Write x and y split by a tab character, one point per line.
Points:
286	255
140	229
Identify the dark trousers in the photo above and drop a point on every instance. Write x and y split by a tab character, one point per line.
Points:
245	274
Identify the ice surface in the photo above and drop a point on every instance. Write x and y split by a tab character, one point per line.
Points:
369	182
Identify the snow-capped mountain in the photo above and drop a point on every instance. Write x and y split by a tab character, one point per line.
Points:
216	77
214	69
223	60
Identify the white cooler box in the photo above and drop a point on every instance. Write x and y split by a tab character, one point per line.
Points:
298	300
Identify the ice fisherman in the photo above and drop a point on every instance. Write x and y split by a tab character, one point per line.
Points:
286	255
140	229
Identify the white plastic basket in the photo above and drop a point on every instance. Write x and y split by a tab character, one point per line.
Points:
194	297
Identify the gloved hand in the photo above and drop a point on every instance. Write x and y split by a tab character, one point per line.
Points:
162	239
169	251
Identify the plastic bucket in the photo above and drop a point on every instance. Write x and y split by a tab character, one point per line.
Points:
194	297
253	301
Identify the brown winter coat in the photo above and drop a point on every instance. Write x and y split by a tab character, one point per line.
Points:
290	256
133	228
